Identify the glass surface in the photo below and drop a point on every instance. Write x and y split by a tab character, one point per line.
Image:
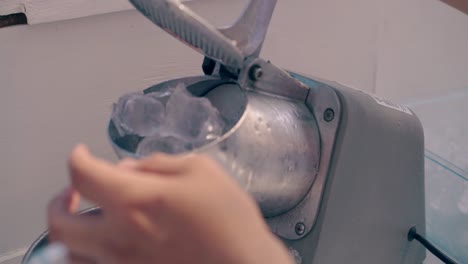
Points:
447	206
446	135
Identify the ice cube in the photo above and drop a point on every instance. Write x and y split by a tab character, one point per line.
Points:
138	114
161	94
169	119
170	144
193	118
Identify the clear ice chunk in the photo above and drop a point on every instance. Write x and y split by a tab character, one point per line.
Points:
162	94
170	120
138	114
193	118
168	144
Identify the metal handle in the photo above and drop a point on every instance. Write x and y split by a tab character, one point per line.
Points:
229	46
250	29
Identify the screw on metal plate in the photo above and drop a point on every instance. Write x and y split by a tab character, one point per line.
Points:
255	73
300	229
329	115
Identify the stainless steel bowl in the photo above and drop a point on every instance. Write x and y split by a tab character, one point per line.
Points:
271	146
42	241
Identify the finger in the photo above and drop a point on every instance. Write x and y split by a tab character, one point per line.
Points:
104	183
165	164
82	234
70	199
74	200
75	259
128	164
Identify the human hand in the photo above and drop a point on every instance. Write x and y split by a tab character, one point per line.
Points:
163	209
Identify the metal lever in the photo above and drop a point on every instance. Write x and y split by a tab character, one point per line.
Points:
229	46
249	31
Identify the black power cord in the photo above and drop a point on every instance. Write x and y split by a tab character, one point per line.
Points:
13	19
413	235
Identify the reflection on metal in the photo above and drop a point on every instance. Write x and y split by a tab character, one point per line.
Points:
296	255
320	99
271	147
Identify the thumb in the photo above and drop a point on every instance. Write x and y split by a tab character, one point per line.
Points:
101	181
166	164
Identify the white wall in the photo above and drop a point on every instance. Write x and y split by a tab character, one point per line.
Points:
423	50
58	80
334	39
44	11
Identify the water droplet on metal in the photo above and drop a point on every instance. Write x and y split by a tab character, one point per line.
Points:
249	180
295	254
257	128
234	165
211	137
